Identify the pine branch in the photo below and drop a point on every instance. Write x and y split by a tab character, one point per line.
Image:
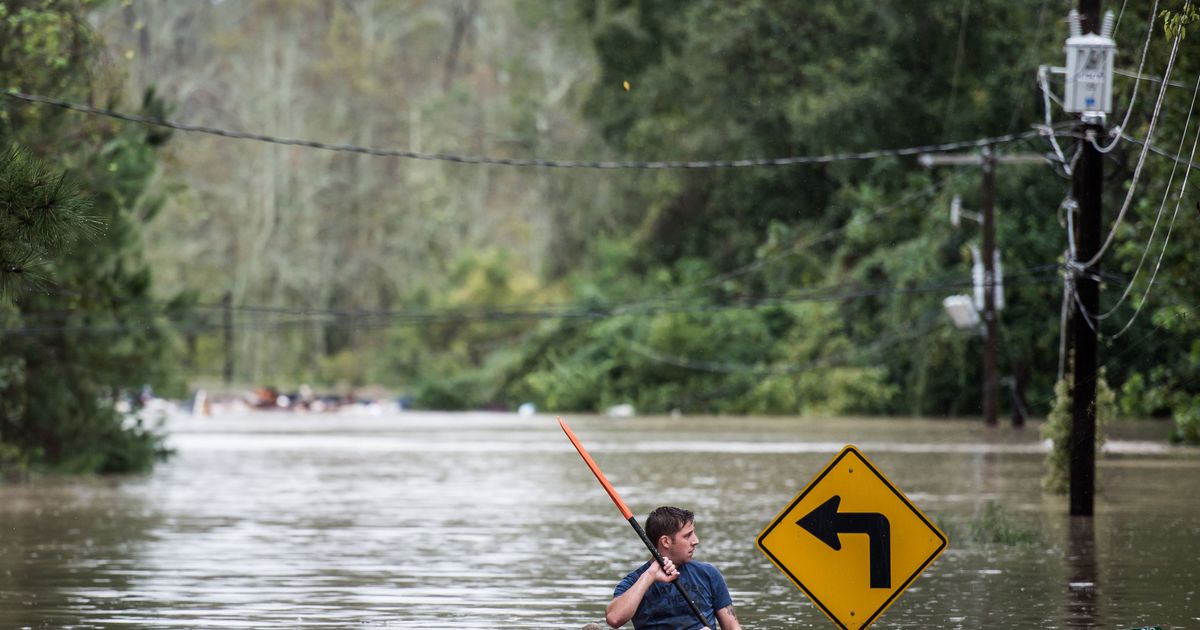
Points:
42	214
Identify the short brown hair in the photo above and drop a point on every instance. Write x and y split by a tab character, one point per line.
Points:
667	521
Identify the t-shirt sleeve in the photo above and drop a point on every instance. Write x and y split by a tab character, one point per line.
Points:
720	592
624	584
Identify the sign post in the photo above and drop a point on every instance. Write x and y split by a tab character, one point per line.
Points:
852	541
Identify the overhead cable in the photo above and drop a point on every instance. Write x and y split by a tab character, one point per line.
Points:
1116	131
1153	78
1068	287
526	162
1177	158
1137	171
1119	16
1142	343
780	369
378	319
1047	130
801	245
1158	215
1166	240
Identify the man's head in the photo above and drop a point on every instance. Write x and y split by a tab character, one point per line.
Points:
673	531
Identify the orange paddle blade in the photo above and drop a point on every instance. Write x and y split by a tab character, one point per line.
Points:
612	493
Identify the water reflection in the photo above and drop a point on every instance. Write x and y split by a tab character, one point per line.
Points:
489	520
67	549
1082	581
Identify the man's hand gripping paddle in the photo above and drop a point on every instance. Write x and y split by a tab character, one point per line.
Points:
612	493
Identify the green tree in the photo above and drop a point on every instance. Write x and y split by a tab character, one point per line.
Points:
89	334
42	216
869	238
1152	332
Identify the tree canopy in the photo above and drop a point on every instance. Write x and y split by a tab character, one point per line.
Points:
814	287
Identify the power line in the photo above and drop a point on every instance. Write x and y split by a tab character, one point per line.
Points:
1166	240
779	369
1049	402
1137	171
1141	142
1158	218
800	246
1119	16
520	162
1047	130
381	319
1141	343
1153	78
725	367
544	310
1177	158
1116	131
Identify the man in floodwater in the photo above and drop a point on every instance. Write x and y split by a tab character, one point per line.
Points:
647	596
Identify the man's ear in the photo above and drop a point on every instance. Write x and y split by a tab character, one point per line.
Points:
664	541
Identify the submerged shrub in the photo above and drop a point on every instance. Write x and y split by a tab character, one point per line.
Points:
1187	422
1058	430
996	526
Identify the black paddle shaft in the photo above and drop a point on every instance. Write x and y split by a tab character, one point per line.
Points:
662	562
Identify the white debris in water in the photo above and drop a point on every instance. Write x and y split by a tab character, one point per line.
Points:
620	411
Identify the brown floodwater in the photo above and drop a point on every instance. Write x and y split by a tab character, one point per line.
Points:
421	520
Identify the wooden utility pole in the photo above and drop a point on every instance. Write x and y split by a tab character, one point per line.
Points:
988	224
987	161
227	311
1086	184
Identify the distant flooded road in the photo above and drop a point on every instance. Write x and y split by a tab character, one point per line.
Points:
422	520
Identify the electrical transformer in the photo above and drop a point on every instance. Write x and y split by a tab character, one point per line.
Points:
1089	68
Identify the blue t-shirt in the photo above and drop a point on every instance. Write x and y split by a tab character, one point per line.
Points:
663	608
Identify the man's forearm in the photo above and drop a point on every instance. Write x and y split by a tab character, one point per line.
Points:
728	619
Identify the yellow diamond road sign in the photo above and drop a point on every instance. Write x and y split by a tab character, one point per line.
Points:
852	541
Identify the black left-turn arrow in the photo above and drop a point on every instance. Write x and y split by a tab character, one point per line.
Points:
826	523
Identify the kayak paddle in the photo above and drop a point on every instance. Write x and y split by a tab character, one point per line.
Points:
612	493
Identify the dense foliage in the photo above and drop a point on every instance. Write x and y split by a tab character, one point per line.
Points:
766	78
80	331
1151	343
820	286
324	250
812	288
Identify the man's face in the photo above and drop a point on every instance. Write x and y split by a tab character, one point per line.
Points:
682	545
